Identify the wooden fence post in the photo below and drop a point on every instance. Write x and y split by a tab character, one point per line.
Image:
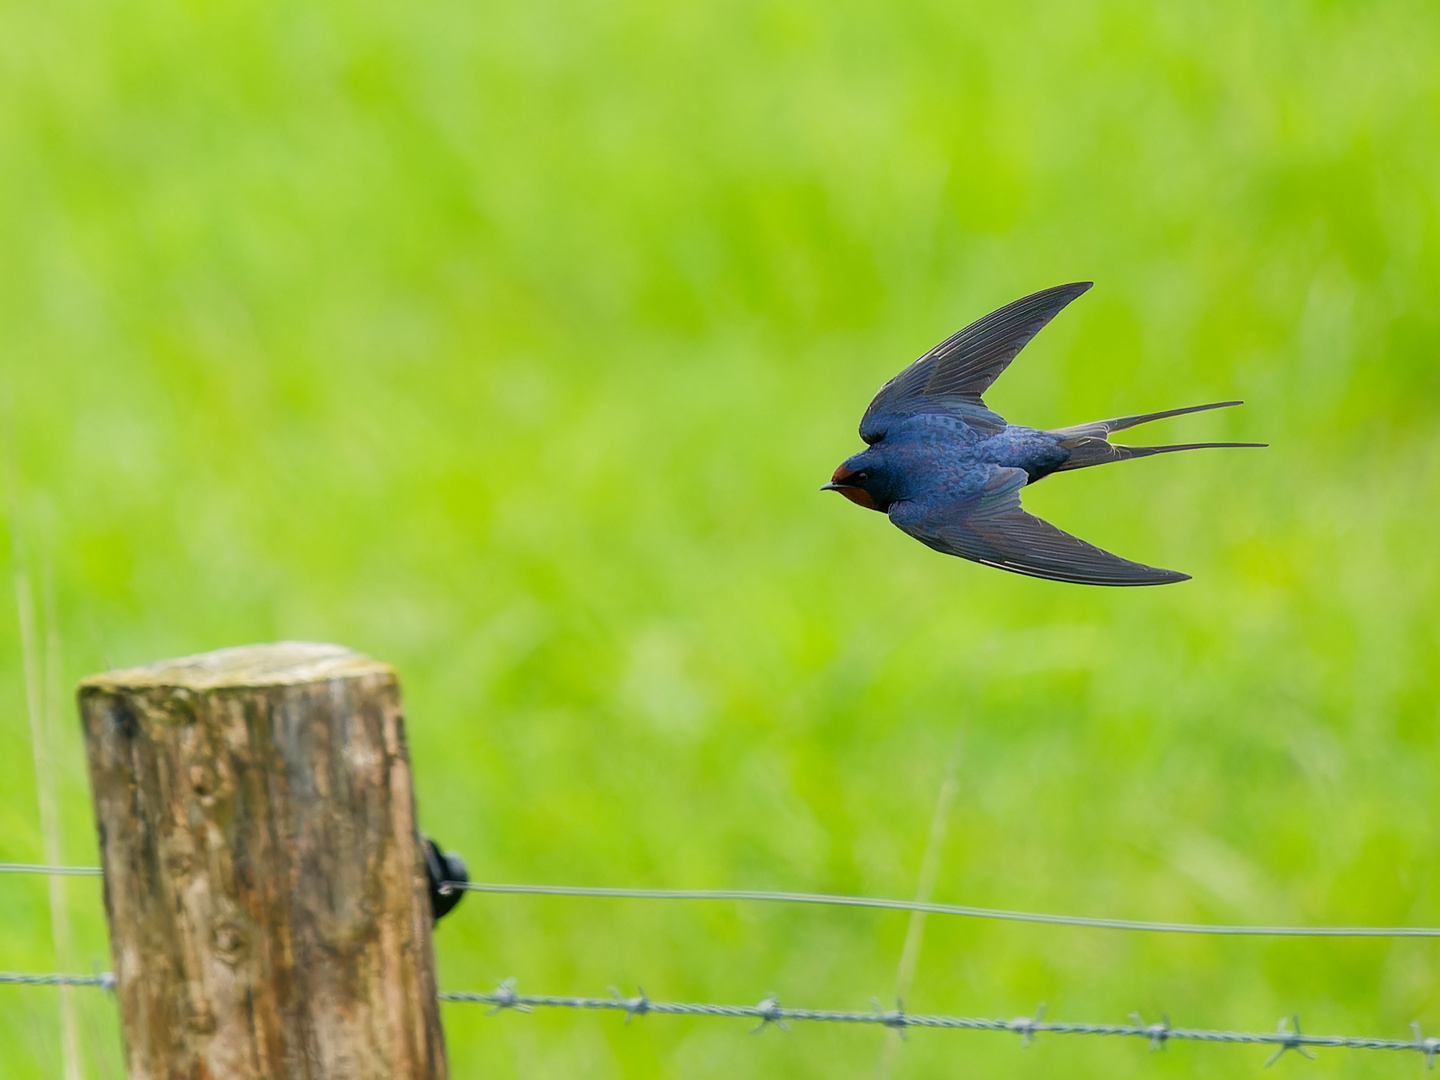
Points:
263	878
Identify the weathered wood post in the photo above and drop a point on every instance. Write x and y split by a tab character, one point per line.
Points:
263	879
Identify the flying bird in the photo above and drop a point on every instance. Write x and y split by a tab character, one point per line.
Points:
948	470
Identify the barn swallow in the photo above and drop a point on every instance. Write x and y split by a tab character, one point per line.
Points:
948	470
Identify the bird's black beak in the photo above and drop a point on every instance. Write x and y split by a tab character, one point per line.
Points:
831	487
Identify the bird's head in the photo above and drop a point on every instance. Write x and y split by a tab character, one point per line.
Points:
864	480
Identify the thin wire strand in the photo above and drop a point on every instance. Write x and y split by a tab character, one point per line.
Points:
951	909
880	902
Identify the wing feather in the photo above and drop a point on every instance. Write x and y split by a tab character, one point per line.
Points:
954	375
991	528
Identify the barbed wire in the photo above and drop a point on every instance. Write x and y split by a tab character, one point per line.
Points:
874	902
1287	1036
16	978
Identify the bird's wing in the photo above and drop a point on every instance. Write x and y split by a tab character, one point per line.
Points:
991	528
952	376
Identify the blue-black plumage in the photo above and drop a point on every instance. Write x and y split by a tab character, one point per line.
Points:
948	470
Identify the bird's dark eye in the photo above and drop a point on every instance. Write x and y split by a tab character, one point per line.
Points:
861	476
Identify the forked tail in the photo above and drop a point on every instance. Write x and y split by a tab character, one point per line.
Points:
1089	443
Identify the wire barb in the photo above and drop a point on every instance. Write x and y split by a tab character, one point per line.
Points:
1296	1041
1429	1047
893	1018
634	1006
1029	1025
505	997
1159	1033
770	1012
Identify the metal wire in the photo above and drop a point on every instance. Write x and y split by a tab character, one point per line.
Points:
879	902
53	871
1287	1036
16	978
951	909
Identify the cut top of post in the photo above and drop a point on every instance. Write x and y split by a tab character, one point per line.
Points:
282	663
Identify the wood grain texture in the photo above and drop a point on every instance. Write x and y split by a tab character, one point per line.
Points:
263	879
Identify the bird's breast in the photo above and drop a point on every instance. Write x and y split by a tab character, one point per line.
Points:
859	496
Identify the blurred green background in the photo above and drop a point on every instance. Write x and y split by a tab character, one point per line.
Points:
510	343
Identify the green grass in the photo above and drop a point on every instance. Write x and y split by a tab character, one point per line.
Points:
509	343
